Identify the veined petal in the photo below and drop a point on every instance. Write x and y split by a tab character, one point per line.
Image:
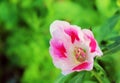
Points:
93	43
82	66
89	35
58	48
73	34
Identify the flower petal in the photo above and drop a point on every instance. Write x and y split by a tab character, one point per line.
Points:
73	34
58	25
82	66
93	44
58	48
90	36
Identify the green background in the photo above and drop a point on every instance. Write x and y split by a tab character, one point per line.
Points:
24	34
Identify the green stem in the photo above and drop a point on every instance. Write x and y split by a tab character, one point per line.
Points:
96	76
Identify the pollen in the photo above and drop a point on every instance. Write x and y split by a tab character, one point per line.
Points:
80	54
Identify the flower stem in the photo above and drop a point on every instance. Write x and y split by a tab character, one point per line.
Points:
96	76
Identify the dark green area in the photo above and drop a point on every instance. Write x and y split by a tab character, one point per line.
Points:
24	38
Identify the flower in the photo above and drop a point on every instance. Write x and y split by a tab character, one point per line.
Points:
72	48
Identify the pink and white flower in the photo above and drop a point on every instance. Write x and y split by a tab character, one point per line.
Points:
72	48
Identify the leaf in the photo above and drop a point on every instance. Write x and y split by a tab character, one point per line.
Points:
112	48
111	65
100	74
107	28
63	78
116	39
88	81
78	78
71	78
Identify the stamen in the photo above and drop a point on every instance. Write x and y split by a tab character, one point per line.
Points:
80	54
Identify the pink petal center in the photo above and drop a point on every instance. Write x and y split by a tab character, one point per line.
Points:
73	34
82	66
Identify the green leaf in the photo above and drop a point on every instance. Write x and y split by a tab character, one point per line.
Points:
116	39
71	78
111	65
78	78
112	48
107	28
100	74
62	78
88	81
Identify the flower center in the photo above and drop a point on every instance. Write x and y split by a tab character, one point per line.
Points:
80	54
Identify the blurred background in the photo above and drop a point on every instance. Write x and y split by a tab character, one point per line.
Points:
24	33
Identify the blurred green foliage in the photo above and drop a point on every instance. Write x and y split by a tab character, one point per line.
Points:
24	33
